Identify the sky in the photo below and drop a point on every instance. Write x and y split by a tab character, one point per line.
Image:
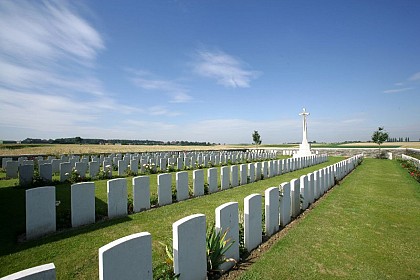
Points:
210	71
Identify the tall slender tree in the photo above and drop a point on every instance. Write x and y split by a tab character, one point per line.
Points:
379	136
256	138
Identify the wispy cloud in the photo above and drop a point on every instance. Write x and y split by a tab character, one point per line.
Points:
397	90
48	53
224	68
414	77
146	80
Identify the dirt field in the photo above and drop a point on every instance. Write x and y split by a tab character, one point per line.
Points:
59	149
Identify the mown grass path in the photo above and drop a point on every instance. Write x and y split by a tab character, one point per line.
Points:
366	228
75	251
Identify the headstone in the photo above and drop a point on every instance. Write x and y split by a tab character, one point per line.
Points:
258	171
234	180
182	191
189	244
134	166
252	221
295	197
117	197
45	172
40	212
285	204
304	190
164	189
265	169
26	174
55	165
198	182
224	177
65	171
227	219
12	168
4	160
271	211
122	167
212	179
311	188
243	171
127	258
82	204
141	193
251	172
81	168
94	169
41	272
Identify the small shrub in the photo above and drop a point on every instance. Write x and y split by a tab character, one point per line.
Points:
217	245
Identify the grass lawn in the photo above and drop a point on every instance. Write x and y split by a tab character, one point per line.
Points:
75	251
366	228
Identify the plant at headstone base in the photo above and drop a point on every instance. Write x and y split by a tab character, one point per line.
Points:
411	168
74	177
217	245
165	271
130	204
129	172
154	199
114	167
173	188
206	188
171	168
243	252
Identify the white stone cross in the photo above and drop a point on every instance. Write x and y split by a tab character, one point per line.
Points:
304	114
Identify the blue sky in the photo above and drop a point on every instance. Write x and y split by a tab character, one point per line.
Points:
209	70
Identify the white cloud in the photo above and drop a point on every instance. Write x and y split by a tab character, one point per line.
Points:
47	75
146	80
225	69
397	90
414	77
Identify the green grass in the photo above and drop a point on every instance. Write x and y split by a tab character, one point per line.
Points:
367	228
75	251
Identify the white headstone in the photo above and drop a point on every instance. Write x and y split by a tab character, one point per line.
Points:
82	204
271	210
212	179
164	189
252	221
127	258
26	174
182	191
227	219
40	212
224	177
189	244
117	197
234	180
198	182
12	168
295	197
41	272
285	204
141	193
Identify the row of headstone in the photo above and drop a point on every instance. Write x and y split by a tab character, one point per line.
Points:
40	202
130	256
133	163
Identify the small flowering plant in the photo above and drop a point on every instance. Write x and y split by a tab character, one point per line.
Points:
411	168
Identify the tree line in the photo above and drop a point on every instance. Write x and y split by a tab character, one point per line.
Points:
79	140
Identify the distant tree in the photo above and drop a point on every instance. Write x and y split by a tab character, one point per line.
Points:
379	136
78	140
256	138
